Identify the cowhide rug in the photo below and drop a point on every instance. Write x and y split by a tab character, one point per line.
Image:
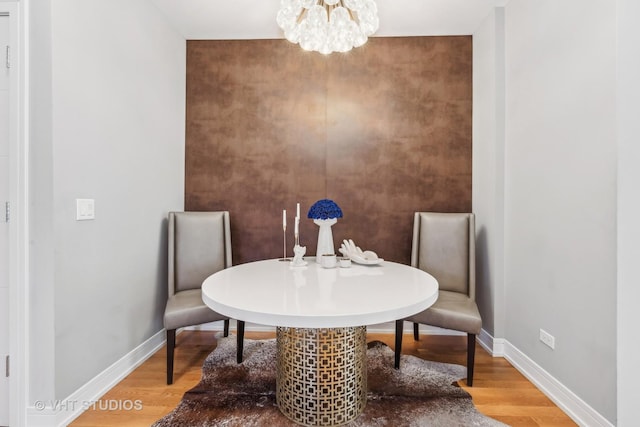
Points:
421	393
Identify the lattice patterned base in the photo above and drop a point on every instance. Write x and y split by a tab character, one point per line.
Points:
322	374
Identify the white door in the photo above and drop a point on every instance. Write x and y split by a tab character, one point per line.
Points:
4	225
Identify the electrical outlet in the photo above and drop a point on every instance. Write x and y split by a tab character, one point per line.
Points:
547	339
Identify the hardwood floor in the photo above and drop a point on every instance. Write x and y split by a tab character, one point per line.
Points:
499	390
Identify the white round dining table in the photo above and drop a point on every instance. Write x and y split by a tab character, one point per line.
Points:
321	316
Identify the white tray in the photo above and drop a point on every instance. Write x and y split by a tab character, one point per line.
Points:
363	261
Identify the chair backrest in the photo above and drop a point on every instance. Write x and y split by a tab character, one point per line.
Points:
444	246
199	245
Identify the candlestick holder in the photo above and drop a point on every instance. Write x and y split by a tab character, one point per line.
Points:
284	245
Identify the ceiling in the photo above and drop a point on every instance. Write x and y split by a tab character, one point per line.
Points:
256	19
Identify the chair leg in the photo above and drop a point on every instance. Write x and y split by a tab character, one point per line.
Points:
471	352
398	349
416	332
240	340
226	328
171	344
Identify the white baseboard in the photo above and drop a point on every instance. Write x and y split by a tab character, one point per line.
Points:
63	411
493	346
569	402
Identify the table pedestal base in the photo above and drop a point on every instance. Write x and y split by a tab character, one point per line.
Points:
322	374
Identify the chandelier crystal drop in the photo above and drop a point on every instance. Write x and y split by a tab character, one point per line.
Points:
327	26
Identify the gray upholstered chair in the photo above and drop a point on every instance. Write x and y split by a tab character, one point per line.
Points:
444	246
199	245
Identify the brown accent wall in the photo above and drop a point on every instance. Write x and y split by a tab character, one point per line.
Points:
384	131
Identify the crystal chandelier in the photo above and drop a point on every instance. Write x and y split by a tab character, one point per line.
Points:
328	26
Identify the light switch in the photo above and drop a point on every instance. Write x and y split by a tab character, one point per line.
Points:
85	209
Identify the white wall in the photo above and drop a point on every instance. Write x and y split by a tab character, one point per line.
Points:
488	169
560	193
41	293
628	111
113	81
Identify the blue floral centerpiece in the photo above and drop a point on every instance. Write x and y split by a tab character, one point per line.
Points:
324	209
324	213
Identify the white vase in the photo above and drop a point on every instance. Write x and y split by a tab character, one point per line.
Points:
325	237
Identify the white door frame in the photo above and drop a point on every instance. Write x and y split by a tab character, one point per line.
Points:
4	240
18	198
